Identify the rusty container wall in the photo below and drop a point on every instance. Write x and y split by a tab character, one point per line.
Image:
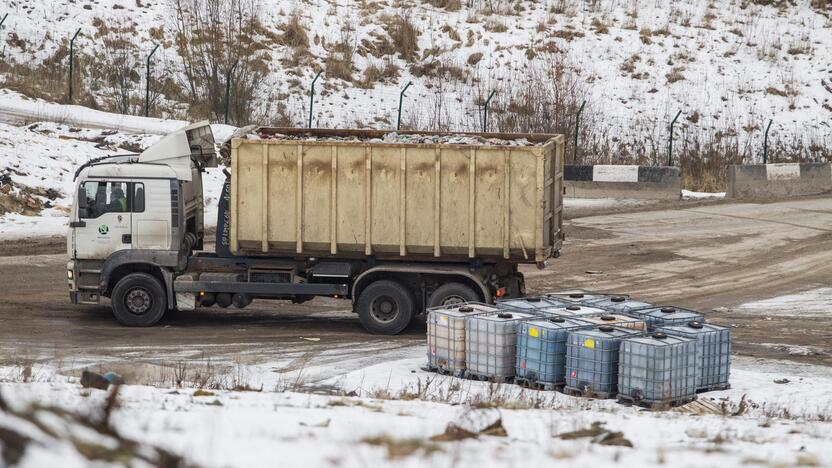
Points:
397	200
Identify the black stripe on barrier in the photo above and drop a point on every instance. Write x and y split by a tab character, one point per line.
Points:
574	172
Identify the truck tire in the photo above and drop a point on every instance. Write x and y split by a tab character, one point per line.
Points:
386	307
453	293
138	300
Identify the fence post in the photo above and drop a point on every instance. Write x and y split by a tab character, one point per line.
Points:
312	98
71	59
765	142
670	144
3	20
147	83
577	127
485	112
228	87
401	98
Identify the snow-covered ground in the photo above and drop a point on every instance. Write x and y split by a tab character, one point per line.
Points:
812	303
387	414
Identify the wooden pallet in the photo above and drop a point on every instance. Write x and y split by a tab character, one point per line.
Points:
699	407
577	392
444	371
487	378
714	388
535	385
653	404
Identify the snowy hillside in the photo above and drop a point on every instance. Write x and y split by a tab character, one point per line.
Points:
729	66
38	161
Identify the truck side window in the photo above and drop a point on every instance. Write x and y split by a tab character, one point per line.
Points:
109	197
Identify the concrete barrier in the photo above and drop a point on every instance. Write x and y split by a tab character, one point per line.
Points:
779	180
607	181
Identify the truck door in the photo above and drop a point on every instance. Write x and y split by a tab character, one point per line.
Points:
104	218
151	214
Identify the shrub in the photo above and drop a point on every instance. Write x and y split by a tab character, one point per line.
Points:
404	35
474	58
294	33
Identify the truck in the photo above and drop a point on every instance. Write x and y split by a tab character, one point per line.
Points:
395	223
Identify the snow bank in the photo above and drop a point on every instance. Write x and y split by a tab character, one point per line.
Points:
389	414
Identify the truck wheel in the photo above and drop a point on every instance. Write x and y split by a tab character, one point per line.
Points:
453	293
386	307
138	300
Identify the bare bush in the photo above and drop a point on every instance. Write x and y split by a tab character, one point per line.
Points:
211	35
404	35
546	101
294	33
341	55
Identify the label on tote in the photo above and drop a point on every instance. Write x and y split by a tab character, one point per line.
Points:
590	343
532	331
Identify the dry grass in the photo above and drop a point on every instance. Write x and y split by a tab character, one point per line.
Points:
449	5
402	448
451	32
474	58
293	32
495	25
373	74
599	26
675	75
403	34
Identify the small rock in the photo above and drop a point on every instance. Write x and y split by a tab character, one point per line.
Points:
782	381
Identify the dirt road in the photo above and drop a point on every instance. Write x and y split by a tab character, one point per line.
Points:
706	256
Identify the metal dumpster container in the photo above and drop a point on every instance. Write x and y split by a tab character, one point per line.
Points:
322	193
592	360
713	352
657	370
446	335
541	350
491	344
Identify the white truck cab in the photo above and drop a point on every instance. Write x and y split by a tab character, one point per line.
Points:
137	218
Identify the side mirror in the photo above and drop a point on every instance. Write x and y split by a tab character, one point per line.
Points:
82	198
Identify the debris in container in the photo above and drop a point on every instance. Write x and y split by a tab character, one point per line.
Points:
398	138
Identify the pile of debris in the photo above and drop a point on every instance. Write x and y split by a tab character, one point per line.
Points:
22	199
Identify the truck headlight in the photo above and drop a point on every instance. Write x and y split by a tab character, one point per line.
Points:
69	274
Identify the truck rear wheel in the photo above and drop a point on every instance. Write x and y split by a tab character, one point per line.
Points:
453	293
386	307
138	300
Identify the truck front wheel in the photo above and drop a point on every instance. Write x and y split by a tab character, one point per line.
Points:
386	307
138	300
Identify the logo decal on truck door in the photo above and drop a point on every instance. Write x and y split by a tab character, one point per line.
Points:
103	229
